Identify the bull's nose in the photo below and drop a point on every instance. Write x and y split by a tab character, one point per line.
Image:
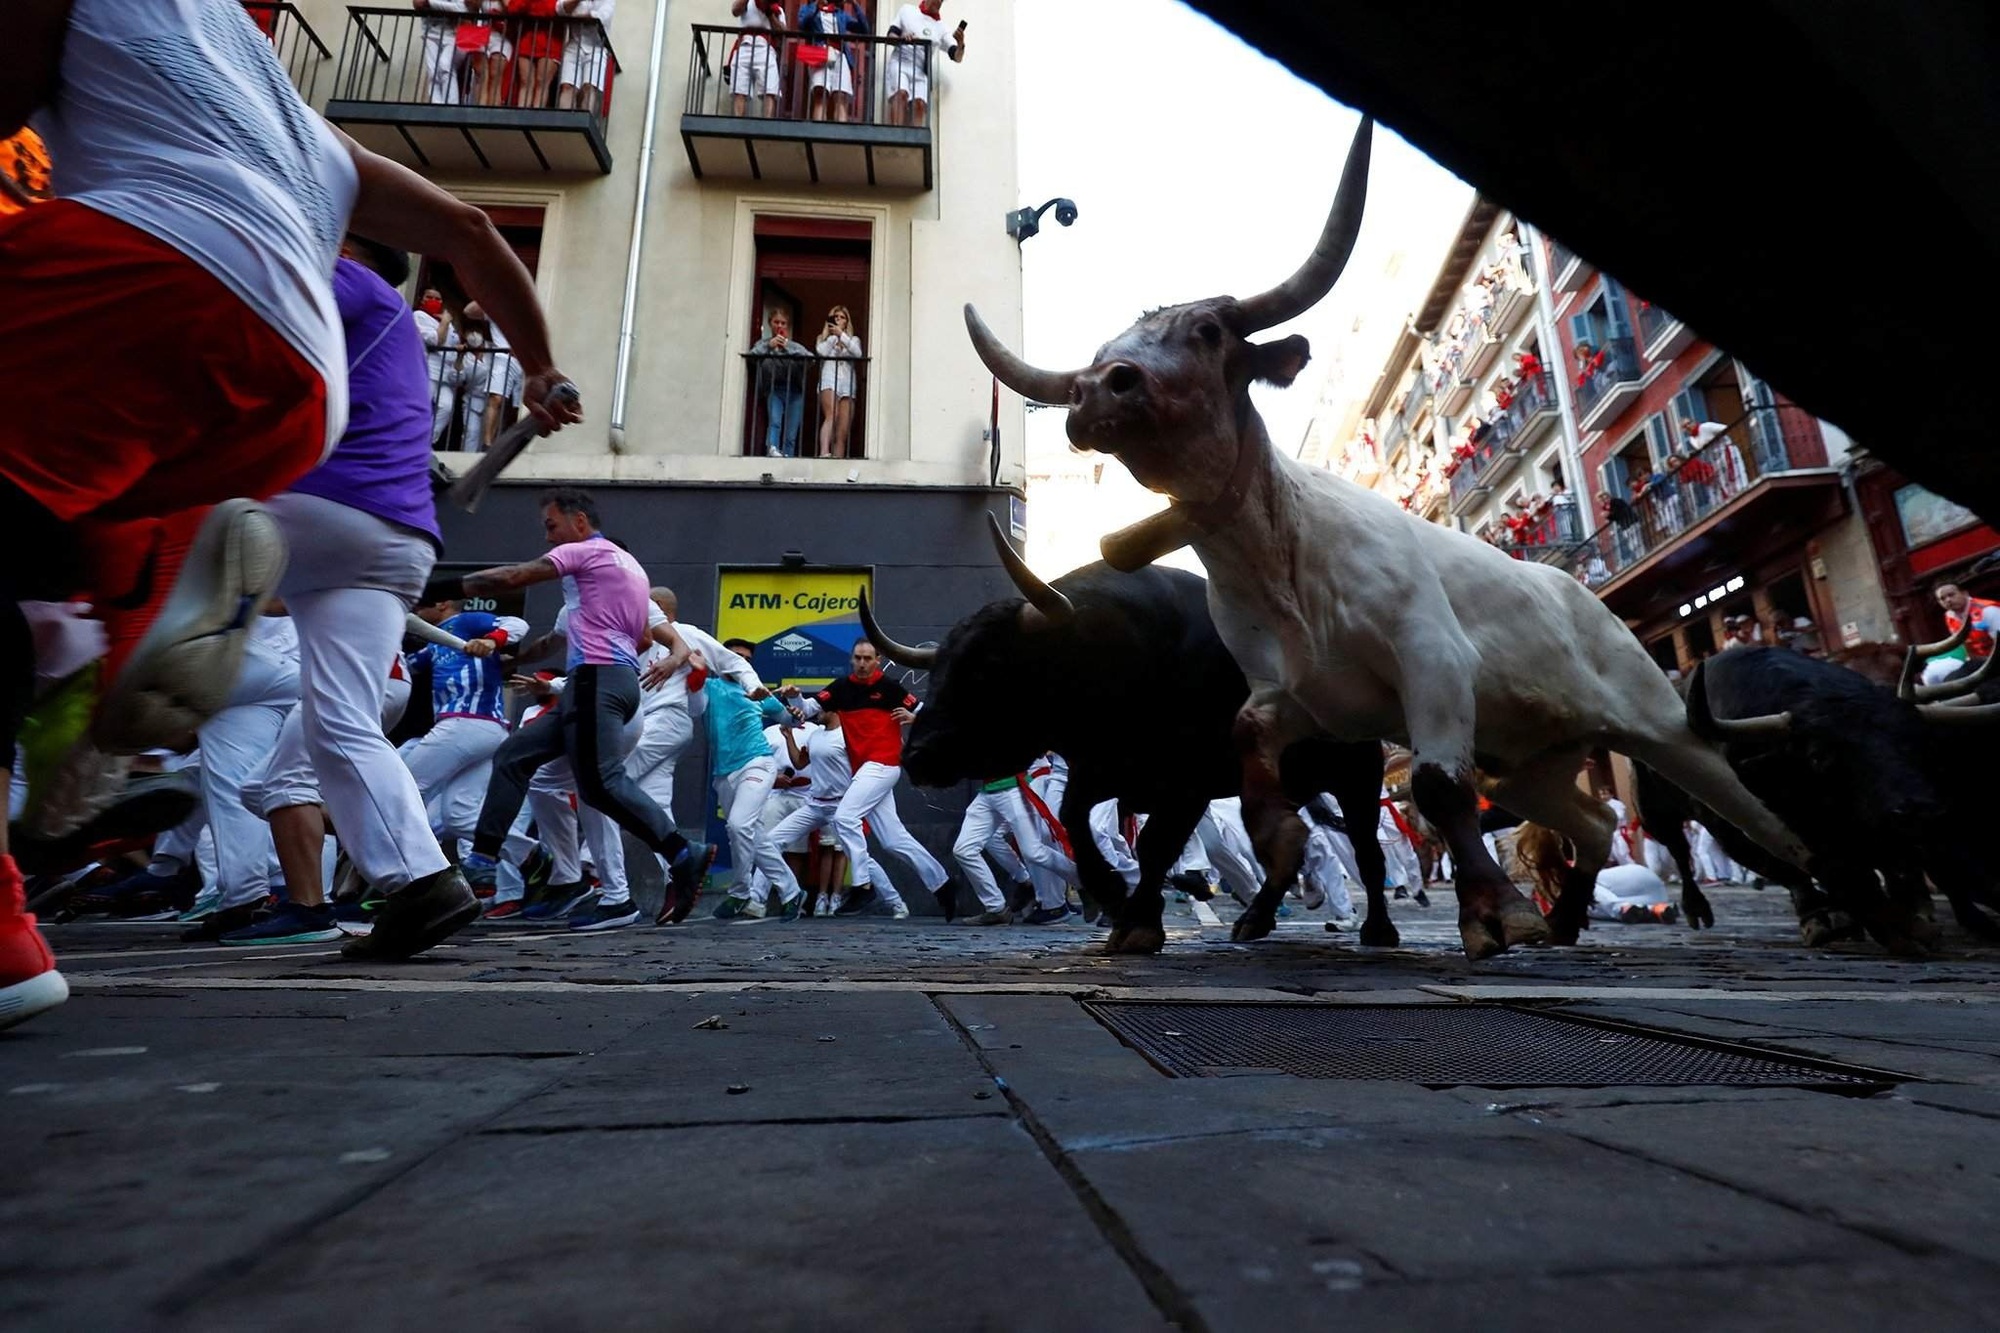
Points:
1105	385
1122	379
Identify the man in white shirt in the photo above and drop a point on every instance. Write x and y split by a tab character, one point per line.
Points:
908	71
821	748
442	58
754	67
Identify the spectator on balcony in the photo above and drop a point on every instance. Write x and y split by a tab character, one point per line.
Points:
586	60
782	369
1563	505
1738	632
1666	493
488	380
753	63
839	376
444	59
434	327
1624	521
488	52
831	88
1712	438
1589	360
538	48
908	73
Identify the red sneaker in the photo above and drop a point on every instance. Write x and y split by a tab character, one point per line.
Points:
29	982
503	911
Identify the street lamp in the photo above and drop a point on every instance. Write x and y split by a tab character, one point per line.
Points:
1025	222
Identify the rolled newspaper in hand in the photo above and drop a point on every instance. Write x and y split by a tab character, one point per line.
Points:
423	629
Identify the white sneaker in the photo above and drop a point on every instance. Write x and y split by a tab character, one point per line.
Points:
206	904
1314	896
900	912
754	910
824	907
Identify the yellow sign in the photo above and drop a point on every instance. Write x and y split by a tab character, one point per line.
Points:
803	621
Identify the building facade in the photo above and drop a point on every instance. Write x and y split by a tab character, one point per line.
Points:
678	185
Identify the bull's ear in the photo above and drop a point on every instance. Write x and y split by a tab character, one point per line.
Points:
1279	363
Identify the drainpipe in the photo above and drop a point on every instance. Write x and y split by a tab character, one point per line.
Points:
1545	314
622	382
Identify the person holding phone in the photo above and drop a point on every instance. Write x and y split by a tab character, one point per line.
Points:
839	376
908	75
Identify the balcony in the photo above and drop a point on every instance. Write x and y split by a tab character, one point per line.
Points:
802	134
1473	479
1607	384
1570	269
403	88
299	48
1532	411
1512	300
784	414
1663	336
1765	473
1548	535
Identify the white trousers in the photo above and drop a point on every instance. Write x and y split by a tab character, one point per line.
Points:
349	587
811	817
993	813
753	850
549	797
1330	864
871	797
1227	843
452	764
236	744
442	59
1710	859
664	736
1111	844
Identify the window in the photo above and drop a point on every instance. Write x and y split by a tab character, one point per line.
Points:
1700	637
475	391
1659	439
1617	308
1665	654
1690	404
807	395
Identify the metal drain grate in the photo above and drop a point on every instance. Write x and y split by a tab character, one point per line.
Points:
1442	1045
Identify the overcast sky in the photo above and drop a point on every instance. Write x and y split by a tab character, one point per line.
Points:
1199	168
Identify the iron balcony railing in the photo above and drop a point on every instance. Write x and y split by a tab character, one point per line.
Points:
1653	321
804	406
474	394
1616	362
751	73
487	59
299	48
1698	483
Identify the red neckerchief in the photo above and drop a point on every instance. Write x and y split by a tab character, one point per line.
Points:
1402	825
1041	808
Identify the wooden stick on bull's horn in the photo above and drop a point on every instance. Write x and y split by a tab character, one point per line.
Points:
1031	382
1150	539
919	659
1303	290
1041	596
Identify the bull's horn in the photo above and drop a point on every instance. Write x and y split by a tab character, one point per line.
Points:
1150	539
1031	382
1971	714
1906	684
1773	724
1040	595
1303	290
1957	685
921	659
1945	645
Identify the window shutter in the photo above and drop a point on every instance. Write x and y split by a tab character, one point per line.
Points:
1617	309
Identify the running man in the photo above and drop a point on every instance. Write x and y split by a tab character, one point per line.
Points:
605	602
454	761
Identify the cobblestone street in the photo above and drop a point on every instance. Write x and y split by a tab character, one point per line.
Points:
867	1124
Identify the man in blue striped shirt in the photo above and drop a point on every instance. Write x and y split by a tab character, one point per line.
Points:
454	760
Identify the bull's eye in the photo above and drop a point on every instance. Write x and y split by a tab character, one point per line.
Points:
1209	332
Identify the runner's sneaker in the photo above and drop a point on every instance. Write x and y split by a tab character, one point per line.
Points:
134	809
69	780
684	881
289	923
1043	916
988	918
223	921
793	907
858	900
29	982
507	911
556	901
415	918
900	912
206	903
482	876
829	905
604	916
733	906
181	671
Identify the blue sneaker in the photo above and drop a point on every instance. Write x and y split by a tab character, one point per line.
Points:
557	901
684	881
481	876
604	916
1044	916
289	923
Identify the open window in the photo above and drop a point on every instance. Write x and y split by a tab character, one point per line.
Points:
475	381
809	326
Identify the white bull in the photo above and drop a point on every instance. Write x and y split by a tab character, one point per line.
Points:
1352	617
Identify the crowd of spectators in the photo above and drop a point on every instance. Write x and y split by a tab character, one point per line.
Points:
530	54
830	44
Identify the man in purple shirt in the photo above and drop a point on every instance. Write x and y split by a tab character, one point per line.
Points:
606	600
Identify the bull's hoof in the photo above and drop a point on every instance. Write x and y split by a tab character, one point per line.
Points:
1694	906
1521	923
1906	936
1819	929
1136	939
1252	925
1380	934
1564	933
1499	920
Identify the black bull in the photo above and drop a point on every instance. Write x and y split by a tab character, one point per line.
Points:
1133	686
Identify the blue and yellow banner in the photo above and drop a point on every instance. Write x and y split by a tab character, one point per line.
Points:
803	621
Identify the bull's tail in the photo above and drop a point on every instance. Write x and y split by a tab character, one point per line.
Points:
1701	721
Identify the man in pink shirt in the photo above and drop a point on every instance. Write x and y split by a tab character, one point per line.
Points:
606	596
